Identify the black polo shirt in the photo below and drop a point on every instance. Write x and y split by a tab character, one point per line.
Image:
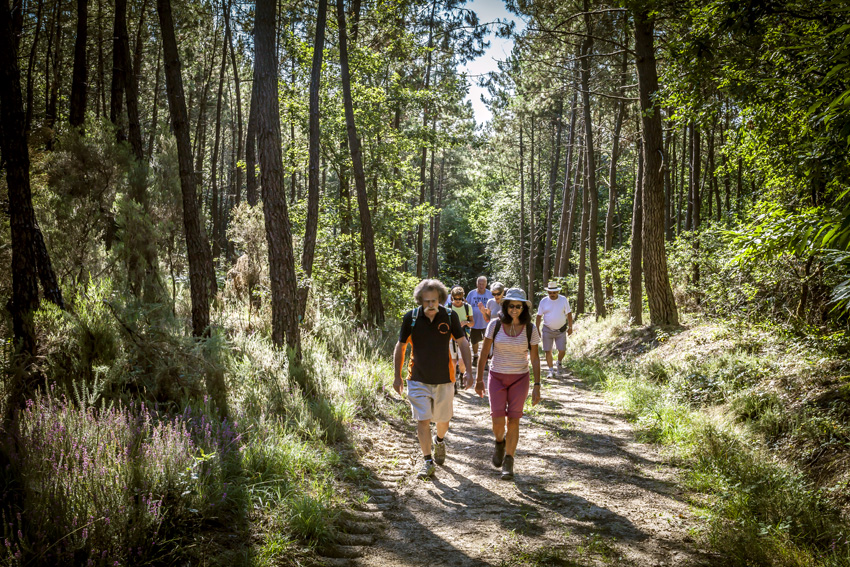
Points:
431	362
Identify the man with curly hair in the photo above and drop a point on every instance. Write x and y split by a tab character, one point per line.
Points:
430	382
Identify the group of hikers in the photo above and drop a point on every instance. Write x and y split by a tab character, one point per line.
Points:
450	332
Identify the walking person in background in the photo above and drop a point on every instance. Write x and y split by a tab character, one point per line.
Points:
478	298
491	311
557	318
464	314
513	337
430	390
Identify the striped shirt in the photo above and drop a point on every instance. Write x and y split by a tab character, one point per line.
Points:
510	354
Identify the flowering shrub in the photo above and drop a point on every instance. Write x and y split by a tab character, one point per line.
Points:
100	484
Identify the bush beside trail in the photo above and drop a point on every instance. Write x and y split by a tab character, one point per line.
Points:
759	421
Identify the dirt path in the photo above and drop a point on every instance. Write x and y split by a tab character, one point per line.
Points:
585	493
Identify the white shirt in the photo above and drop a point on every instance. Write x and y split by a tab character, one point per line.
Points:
510	354
554	312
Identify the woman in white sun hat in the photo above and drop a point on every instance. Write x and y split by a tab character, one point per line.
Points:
513	336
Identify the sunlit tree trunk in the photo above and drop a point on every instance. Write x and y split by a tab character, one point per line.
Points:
636	249
373	284
553	182
201	277
566	201
312	222
598	295
662	304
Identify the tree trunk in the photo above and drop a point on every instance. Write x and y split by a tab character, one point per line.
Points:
566	202
313	196
680	199
636	251
119	71
553	182
432	232
532	234
284	286
662	304
30	65
215	208
24	230
201	277
612	174
373	284
251	193
571	220
420	234
77	114
581	299
52	93
670	183
598	296
522	265
101	73
152	129
435	265
238	92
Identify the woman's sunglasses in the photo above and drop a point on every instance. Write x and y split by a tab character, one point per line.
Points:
459	298
515	306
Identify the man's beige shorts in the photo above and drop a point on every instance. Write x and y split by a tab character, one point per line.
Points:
434	402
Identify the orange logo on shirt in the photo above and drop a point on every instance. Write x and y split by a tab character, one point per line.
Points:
443	328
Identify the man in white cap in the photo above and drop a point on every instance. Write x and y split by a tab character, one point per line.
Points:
557	324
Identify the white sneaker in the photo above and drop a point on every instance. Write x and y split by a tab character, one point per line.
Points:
551	373
560	365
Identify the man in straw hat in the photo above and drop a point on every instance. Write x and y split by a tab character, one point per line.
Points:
557	318
430	383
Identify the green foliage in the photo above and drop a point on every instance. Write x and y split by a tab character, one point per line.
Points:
754	457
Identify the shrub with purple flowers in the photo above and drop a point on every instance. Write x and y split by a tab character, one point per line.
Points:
100	482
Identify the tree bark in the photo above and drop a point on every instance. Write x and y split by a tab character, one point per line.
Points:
373	284
532	234
119	71
152	129
612	174
432	232
52	93
201	277
251	193
215	208
680	199
581	299
284	286
30	65
571	221
312	223
566	202
522	265
13	144
238	92
77	114
662	304
420	234
598	295
636	251
553	182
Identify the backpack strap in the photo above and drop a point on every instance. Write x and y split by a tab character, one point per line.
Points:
415	317
528	331
466	307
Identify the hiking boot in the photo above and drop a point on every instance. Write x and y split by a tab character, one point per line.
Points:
428	469
508	468
499	453
439	451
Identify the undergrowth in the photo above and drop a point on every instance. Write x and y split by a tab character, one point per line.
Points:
759	423
123	458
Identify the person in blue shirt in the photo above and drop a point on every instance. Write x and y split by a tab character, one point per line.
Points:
478	298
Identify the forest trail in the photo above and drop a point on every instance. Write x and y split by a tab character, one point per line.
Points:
585	493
